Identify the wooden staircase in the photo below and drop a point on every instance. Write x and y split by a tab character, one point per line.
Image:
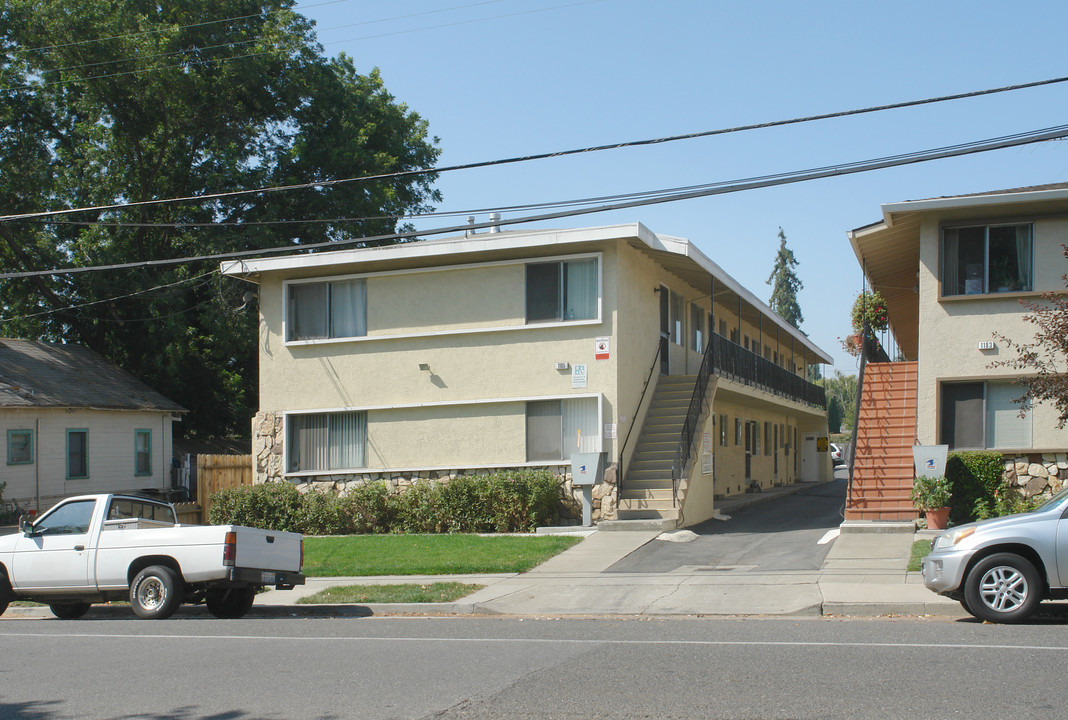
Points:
885	434
646	490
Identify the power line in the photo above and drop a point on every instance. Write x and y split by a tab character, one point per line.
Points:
175	27
542	156
78	306
652	198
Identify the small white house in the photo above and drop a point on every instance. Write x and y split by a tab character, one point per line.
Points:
73	423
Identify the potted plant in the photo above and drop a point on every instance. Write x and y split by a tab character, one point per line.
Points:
868	315
932	495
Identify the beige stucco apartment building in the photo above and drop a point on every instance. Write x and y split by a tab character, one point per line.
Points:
953	271
514	349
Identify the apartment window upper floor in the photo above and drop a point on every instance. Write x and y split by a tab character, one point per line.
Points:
985	259
456	299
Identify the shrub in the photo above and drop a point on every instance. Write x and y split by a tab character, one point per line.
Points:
976	479
500	502
930	493
272	506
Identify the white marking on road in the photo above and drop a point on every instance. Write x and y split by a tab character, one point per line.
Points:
926	646
830	535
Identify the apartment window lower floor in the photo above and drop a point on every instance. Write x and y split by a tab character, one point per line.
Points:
981	415
326	441
557	428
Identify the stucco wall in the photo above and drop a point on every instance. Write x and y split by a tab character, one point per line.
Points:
951	328
111	453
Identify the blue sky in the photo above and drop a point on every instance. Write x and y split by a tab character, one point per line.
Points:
512	77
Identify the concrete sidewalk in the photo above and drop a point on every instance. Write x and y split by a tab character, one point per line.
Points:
864	574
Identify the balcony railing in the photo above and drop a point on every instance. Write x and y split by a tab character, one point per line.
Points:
730	360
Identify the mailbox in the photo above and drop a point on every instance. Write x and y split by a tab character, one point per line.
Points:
586	469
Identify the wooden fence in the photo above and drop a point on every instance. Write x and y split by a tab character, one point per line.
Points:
220	472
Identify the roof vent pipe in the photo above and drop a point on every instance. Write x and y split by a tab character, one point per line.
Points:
470	221
495	218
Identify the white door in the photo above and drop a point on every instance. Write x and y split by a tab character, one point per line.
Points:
56	555
810	466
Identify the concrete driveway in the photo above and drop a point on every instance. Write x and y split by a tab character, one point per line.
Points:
774	536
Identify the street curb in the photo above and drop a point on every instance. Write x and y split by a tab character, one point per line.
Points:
836	609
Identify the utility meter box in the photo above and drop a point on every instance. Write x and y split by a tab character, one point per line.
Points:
587	469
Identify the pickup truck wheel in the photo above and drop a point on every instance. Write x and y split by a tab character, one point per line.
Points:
6	595
70	610
1003	588
232	603
155	593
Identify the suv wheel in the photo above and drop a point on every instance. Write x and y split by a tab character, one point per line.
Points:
1003	588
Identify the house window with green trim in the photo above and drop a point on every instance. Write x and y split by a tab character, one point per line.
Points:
20	447
142	452
77	454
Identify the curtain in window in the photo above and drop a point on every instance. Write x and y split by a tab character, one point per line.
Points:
962	415
950	266
1023	256
581	289
348	438
348	309
308	443
543	430
307	311
580	426
1004	426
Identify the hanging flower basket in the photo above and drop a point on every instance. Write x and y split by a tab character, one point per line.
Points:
869	307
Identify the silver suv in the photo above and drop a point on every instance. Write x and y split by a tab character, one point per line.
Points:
1001	569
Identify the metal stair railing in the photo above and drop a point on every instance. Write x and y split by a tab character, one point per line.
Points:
637	412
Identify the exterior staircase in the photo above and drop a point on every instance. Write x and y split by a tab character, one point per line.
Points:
885	434
646	492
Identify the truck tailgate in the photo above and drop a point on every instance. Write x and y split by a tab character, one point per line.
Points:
267	549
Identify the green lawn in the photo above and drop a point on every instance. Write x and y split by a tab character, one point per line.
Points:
361	555
412	593
920	548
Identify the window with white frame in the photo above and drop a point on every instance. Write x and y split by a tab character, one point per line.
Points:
986	259
326	310
557	428
978	415
326	441
562	290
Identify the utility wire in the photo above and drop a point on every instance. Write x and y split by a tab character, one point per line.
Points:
179	27
117	297
657	197
542	156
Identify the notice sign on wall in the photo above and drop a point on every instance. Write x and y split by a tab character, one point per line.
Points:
600	349
578	376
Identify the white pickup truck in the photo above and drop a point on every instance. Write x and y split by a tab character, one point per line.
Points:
96	548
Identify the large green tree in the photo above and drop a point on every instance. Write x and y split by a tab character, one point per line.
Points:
785	284
842	394
105	103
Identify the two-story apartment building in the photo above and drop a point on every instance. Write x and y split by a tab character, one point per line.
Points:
514	349
953	271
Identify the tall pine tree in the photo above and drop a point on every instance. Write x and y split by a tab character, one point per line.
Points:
785	284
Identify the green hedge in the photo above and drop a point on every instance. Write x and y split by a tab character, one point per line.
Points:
979	488
500	502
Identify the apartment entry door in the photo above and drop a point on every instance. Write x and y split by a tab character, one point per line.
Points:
665	331
809	459
750	442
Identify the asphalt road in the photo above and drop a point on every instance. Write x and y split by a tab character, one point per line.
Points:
781	534
480	668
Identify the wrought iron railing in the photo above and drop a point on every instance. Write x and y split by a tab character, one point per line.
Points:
730	360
